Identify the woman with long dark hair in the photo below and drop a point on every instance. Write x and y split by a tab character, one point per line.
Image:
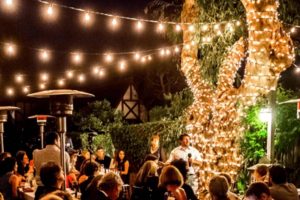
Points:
122	165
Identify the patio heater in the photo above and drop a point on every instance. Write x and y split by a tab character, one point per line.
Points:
41	121
3	118
61	106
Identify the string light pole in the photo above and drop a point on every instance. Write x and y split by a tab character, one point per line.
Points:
3	118
41	121
61	106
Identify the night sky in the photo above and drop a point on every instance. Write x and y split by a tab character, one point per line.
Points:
29	30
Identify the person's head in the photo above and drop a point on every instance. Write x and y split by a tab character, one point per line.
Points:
182	166
170	178
149	169
9	164
260	172
111	184
73	155
155	141
218	188
184	140
22	161
51	175
228	178
52	138
4	155
258	191
277	174
86	154
121	155
90	168
100	153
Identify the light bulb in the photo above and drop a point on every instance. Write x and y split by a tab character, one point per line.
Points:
149	57
109	57
10	91
191	28
77	58
70	74
44	55
25	89
177	28
81	78
49	12
19	78
101	72
137	56
10	49
60	82
160	27
42	86
122	65
139	25
44	77
176	49
95	70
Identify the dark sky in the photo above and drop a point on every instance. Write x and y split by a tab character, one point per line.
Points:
29	30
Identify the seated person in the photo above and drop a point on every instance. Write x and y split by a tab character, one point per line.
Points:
219	189
52	178
101	158
261	174
90	171
280	188
146	182
170	182
258	191
182	166
109	187
231	195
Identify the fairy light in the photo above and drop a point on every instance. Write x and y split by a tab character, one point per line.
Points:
204	27
122	65
44	77
114	22
101	73
191	28
160	27
77	58
177	28
44	55
87	18
109	57
9	5
19	78
143	59
70	74
25	89
149	57
61	82
10	91
49	12
95	70
139	25
81	78
293	30
137	56
10	49
176	49
162	52
42	86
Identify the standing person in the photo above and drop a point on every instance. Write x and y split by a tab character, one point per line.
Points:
122	165
280	188
156	149
189	154
9	182
102	158
50	153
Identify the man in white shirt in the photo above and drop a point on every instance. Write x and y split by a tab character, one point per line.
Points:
191	155
50	153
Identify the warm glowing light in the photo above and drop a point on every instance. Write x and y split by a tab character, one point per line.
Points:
95	70
9	5
177	28
143	59
109	57
10	49
77	58
168	52
176	49
137	56
19	78
87	18
114	22
42	86
44	55
70	74
293	30
160	27
25	89
139	25
122	65
81	78
10	91
191	28
238	23
149	58
204	27
61	82
101	73
162	52
44	77
49	12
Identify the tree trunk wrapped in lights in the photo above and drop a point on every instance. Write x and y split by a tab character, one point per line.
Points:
214	117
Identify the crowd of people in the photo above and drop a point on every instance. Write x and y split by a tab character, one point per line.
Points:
95	175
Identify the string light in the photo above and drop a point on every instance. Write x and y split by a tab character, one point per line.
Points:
19	78
61	82
101	73
44	77
87	18
42	86
70	74
95	70
25	89
49	12
77	58
137	56
114	22
10	49
191	28
109	57
81	78
9	5
139	25
44	55
122	65
10	91
177	28
160	27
